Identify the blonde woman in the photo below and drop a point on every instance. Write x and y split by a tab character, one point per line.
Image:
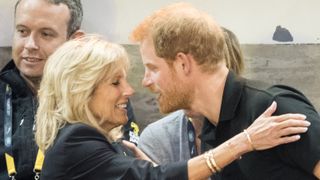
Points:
82	105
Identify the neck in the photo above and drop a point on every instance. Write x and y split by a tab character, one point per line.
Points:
197	123
212	86
33	83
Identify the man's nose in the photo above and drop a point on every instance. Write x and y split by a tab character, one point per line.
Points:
146	81
31	43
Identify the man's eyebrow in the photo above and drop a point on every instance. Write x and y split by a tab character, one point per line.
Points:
44	28
20	26
47	29
150	65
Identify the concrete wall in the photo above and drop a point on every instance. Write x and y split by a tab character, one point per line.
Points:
254	22
294	65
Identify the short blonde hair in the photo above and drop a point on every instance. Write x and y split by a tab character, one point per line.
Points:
182	28
70	77
233	53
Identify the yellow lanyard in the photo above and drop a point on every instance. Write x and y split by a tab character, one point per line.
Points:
37	165
11	168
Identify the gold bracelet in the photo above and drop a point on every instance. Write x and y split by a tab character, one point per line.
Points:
249	139
207	157
213	162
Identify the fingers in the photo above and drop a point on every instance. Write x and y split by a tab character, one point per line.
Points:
270	110
293	123
289	116
136	151
130	145
292	130
289	139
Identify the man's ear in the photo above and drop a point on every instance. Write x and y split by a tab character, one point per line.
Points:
183	62
77	34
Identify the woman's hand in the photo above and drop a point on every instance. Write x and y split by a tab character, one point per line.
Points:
268	131
137	152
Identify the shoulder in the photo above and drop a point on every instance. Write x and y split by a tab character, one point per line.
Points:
7	68
305	152
262	94
71	131
78	151
75	141
75	137
269	90
167	121
164	125
77	128
10	75
162	132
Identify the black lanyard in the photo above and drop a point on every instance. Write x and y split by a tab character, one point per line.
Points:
191	139
8	139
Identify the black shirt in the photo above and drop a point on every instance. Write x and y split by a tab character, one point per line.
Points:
81	152
244	101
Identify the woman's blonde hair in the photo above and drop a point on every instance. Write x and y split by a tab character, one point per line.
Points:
70	77
233	53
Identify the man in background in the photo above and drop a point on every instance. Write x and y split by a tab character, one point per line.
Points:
40	27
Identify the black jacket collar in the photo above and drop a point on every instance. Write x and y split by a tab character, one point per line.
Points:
11	75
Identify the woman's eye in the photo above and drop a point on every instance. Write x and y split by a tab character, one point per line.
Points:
115	83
